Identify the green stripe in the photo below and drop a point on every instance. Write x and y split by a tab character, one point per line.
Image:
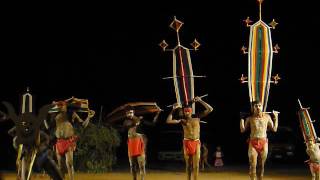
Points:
305	123
259	62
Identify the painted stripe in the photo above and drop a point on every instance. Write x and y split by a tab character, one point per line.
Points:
175	80
187	77
191	80
190	75
270	61
183	76
306	125
258	59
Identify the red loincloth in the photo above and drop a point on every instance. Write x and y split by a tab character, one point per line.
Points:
135	146
258	143
62	145
191	146
314	167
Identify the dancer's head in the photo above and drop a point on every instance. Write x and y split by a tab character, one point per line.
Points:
129	112
62	105
187	111
256	107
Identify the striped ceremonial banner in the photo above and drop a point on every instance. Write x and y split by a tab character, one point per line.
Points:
183	76
260	54
306	125
260	57
140	109
74	104
80	105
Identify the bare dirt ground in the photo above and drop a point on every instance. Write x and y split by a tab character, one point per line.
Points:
223	174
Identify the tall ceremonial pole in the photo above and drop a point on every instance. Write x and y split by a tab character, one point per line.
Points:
260	58
183	77
306	125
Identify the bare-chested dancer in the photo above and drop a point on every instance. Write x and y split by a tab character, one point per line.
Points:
191	134
136	142
258	123
314	159
31	143
66	138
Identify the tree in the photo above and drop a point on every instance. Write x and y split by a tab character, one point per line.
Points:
96	148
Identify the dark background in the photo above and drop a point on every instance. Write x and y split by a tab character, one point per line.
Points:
109	54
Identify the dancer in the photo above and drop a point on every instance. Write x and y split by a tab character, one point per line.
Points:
258	123
191	134
137	142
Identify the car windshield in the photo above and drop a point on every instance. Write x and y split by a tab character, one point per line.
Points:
170	140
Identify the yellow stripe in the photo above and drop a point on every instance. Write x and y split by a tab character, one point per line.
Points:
264	65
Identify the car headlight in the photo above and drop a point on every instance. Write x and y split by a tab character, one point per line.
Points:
290	153
290	148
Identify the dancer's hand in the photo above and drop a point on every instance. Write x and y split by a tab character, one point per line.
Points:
275	113
197	99
85	123
176	105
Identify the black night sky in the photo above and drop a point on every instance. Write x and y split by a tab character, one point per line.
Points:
109	54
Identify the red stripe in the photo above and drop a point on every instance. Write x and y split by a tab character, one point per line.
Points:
187	82
183	77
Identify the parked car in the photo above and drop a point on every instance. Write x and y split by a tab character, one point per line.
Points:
282	144
171	146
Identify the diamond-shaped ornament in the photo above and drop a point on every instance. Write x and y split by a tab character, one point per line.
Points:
244	50
276	48
195	44
176	24
273	24
247	21
276	77
163	45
